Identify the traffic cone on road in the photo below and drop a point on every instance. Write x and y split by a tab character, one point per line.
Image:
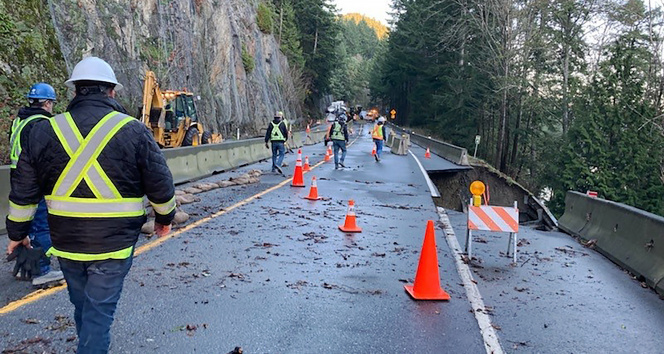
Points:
327	156
313	191
350	225
298	179
427	155
373	151
306	166
329	151
427	279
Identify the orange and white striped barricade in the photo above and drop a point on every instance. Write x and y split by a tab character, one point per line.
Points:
493	218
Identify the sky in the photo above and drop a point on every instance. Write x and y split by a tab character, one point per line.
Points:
377	9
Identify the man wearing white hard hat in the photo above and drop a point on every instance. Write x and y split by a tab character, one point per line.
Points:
93	164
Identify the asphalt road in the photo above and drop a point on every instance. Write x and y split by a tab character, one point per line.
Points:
275	275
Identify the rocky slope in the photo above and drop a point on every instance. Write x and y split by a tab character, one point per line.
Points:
193	44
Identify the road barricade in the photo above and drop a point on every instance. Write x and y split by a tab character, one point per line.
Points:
630	237
493	218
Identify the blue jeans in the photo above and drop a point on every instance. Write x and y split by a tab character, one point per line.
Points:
278	152
336	146
40	234
379	147
94	289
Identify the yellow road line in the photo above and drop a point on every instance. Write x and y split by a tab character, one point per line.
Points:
39	294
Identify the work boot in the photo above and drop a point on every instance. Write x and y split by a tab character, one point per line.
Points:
342	164
376	157
50	277
336	166
279	170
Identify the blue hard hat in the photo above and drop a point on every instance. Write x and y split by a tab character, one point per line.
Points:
41	90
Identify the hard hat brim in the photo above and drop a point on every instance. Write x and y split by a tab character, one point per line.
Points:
70	83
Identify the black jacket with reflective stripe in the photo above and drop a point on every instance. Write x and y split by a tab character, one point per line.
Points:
282	127
131	160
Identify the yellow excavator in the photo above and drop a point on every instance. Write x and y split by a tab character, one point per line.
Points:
171	116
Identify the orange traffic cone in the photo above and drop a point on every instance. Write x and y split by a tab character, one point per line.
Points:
306	166
308	129
427	155
329	151
373	151
350	225
313	191
327	156
298	180
427	279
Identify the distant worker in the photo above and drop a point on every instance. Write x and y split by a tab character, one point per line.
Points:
277	134
378	135
338	134
95	164
41	98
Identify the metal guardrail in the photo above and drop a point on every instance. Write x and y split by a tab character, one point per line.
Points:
630	237
194	162
453	153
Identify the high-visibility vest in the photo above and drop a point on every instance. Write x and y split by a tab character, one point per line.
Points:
337	133
377	132
276	134
15	140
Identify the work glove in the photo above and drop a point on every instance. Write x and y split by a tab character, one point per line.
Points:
27	261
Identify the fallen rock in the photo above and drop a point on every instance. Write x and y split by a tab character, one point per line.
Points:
186	199
148	227
180	217
192	190
224	184
253	180
206	186
255	173
180	192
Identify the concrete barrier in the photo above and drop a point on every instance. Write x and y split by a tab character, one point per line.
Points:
628	236
453	153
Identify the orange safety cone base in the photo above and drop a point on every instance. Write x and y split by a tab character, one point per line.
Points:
306	168
311	198
349	229
297	185
439	295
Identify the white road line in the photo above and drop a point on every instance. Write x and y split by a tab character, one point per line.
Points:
432	187
491	343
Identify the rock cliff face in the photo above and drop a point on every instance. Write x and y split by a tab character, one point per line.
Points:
193	44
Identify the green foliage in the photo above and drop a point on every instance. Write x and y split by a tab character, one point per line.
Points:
519	75
30	53
265	17
317	31
247	60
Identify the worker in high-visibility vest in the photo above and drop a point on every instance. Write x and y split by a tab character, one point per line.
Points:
277	134
41	98
338	134
378	135
94	164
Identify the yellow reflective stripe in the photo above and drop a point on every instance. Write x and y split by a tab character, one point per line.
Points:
81	149
73	126
164	208
75	256
107	180
21	213
65	145
92	207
